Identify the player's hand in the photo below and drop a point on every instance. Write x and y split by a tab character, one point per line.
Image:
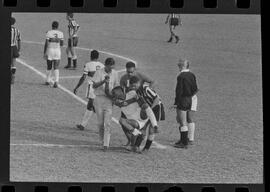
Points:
107	79
75	91
123	104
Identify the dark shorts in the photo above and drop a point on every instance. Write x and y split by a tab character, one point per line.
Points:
90	105
184	104
159	112
174	21
74	41
52	64
14	52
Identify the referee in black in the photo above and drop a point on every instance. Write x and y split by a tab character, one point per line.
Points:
185	103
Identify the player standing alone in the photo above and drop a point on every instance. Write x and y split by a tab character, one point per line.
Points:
52	52
15	47
186	103
73	39
174	20
89	70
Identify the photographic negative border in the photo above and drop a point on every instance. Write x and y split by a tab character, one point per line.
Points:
96	6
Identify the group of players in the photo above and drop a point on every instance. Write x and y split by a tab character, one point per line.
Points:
141	107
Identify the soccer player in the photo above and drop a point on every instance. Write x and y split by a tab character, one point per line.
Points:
89	70
104	81
52	52
125	82
73	29
130	110
131	71
186	103
15	47
173	20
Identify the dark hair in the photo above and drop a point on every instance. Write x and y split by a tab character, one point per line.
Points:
94	54
130	64
134	79
70	14
55	25
109	61
12	20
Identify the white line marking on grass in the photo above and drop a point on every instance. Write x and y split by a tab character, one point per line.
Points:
87	49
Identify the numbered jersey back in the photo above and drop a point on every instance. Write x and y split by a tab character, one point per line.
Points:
54	37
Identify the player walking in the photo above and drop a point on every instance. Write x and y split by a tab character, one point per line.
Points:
15	47
52	52
186	103
73	29
89	70
104	81
173	20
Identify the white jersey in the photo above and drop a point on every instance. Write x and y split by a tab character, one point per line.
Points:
133	110
54	37
90	67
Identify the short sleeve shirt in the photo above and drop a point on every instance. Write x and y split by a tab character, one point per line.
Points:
100	76
54	37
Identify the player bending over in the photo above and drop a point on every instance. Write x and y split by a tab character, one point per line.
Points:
52	52
137	113
89	70
73	29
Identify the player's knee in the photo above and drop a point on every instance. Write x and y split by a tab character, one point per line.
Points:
144	106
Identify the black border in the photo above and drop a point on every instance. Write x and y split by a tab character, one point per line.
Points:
96	6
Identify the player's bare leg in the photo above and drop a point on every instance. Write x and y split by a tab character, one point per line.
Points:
13	70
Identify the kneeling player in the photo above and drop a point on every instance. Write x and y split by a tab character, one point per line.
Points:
52	52
137	113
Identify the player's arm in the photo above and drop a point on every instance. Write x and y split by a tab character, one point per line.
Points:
167	19
81	80
19	41
147	80
45	49
179	89
97	80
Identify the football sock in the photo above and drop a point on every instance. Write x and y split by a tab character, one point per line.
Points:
191	130
74	63
151	116
56	73
148	144
86	117
184	135
69	62
48	75
139	140
101	133
107	137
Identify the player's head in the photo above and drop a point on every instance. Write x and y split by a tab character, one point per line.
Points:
55	25
69	15
135	82
183	64
109	64
12	20
94	55
118	93
130	68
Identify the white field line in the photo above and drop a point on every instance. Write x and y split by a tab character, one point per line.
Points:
155	144
87	49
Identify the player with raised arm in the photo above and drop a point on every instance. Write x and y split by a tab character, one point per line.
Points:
73	29
89	70
174	20
52	52
15	47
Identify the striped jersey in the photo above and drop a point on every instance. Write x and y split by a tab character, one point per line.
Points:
148	94
73	28
15	36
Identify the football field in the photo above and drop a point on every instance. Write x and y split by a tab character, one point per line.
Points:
225	55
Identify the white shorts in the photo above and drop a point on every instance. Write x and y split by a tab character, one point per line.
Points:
142	122
54	54
194	103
